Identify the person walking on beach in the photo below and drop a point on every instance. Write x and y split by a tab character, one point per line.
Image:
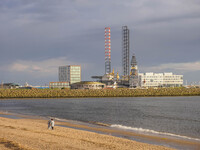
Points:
51	124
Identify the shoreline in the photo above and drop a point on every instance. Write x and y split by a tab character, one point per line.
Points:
115	133
28	98
27	134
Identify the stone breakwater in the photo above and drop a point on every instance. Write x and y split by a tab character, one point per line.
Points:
124	92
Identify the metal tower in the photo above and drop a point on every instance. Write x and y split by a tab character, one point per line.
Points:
133	62
125	51
133	81
107	51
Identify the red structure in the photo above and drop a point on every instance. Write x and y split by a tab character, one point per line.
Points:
107	51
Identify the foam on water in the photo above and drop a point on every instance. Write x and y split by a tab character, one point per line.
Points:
152	131
141	130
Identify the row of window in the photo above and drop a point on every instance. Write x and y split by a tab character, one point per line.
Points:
75	73
163	79
90	85
75	79
174	81
152	84
59	84
75	76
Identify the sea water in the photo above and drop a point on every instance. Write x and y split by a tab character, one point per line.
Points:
171	116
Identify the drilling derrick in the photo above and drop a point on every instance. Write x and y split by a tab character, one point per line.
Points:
107	51
125	52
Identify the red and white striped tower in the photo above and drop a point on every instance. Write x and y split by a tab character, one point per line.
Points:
107	51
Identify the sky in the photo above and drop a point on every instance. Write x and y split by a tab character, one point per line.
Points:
38	36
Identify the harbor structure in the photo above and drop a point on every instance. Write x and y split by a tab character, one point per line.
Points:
107	51
130	74
133	80
70	73
125	52
109	78
151	79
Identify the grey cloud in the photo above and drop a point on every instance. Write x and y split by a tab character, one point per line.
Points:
162	31
39	70
181	67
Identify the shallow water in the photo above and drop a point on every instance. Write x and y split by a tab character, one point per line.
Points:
172	116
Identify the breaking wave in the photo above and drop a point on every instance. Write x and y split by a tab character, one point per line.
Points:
152	131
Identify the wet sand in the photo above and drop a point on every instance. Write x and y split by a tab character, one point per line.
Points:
25	134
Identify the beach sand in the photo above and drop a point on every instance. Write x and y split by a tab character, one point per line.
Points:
25	134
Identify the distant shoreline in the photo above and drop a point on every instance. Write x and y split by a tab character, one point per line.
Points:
67	93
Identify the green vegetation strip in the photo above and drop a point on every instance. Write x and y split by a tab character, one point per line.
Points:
123	92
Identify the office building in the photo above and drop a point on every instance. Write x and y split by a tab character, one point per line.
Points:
151	79
70	73
172	80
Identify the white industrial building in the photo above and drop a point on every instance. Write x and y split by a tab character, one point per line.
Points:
151	79
70	73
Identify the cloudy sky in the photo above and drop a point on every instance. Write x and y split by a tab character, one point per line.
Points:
37	36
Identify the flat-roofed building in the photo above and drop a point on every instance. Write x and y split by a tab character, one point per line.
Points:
59	85
151	79
70	73
9	86
88	85
172	80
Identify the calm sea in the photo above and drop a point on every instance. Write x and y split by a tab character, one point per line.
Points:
172	116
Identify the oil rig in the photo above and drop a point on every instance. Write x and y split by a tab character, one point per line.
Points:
129	77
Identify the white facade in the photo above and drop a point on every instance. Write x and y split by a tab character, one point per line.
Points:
88	85
59	85
151	79
70	73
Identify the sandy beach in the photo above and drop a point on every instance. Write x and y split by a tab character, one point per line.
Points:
25	134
